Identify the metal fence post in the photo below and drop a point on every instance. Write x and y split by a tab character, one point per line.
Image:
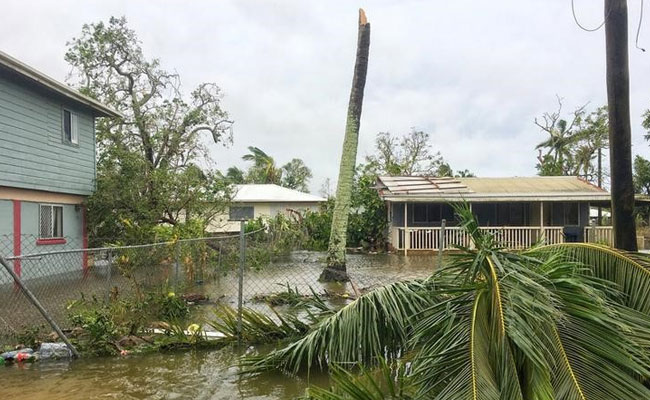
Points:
441	244
242	261
177	263
40	308
109	272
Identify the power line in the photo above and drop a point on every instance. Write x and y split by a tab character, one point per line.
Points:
638	29
575	18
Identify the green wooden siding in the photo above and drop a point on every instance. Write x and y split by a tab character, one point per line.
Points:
34	155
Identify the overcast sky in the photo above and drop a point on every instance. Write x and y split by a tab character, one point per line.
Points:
472	74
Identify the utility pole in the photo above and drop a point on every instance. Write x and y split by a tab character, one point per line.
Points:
618	106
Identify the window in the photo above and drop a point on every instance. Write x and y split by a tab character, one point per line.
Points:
426	213
571	214
419	213
565	214
50	221
239	213
70	130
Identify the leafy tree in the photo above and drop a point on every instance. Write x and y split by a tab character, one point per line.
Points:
147	170
367	221
445	170
296	175
235	175
264	169
566	321
642	175
642	186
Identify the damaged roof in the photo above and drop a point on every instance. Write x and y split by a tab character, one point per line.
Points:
446	189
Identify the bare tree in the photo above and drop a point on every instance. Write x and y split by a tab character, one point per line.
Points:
335	269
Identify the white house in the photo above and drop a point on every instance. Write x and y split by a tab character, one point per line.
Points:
263	200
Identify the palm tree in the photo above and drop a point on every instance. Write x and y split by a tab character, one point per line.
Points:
335	269
568	321
264	169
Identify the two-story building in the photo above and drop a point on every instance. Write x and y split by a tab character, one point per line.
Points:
47	161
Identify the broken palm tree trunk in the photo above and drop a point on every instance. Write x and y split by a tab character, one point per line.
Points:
618	105
335	269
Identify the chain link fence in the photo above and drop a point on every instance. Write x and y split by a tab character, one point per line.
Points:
206	268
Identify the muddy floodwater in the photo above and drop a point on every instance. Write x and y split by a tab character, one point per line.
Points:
193	374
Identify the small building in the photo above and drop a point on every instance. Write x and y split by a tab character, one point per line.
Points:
520	211
263	200
47	167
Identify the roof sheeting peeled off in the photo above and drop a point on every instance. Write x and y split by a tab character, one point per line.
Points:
548	188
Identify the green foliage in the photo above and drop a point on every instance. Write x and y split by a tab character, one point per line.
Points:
264	169
100	331
387	381
290	296
147	169
497	325
296	175
30	337
293	175
642	186
257	328
317	226
641	175
168	306
102	323
367	222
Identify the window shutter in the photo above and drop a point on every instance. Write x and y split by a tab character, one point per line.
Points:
74	131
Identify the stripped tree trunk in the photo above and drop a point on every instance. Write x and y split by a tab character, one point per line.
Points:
618	105
335	269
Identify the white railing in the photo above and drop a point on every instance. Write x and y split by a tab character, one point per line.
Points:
599	234
511	237
553	234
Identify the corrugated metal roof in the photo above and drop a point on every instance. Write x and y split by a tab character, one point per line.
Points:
534	184
52	84
262	193
489	189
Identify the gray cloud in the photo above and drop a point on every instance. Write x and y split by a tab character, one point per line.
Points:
473	74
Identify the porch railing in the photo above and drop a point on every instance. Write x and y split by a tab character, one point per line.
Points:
511	237
599	234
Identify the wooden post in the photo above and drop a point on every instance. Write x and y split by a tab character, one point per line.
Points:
541	222
471	241
618	105
407	238
441	243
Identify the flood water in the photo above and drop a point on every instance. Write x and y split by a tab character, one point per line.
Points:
195	374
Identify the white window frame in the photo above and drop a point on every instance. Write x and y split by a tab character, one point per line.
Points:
51	234
74	127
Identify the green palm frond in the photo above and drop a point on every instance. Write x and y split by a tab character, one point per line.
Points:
386	381
568	322
377	324
630	272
